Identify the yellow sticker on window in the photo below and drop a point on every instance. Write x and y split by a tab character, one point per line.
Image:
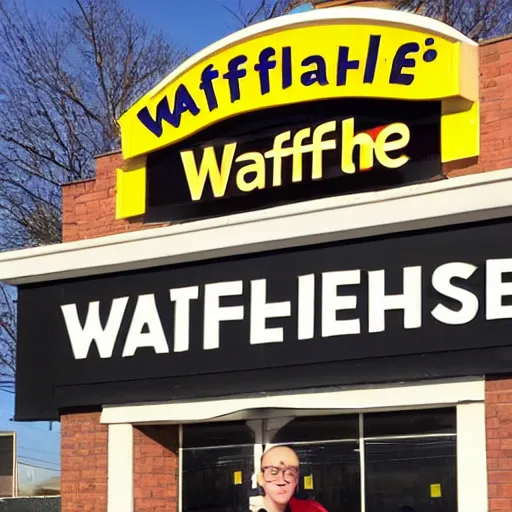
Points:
435	490
308	482
237	478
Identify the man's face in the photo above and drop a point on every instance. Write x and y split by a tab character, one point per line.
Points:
279	474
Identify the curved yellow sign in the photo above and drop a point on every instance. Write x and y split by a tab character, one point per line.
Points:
299	64
334	53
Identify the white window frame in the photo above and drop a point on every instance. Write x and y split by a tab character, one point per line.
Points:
467	395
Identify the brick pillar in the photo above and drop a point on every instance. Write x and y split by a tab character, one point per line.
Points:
498	405
155	454
84	463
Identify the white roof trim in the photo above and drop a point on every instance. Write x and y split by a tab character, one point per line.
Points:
400	395
465	199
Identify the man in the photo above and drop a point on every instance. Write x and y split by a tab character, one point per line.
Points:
279	478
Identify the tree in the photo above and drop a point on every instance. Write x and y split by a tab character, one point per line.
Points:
64	81
478	19
7	338
247	13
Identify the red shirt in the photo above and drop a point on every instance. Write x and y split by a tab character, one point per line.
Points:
305	506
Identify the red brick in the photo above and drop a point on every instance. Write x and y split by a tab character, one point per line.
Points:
506	443
500	505
500	477
498	384
504	463
84	474
505	396
492	491
487	59
155	468
498	400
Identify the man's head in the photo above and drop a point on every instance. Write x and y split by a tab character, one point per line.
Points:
279	474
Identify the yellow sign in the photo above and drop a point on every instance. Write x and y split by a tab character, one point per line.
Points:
435	491
308	482
237	478
324	54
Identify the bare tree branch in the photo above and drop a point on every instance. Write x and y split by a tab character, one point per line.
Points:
64	81
478	19
262	10
7	337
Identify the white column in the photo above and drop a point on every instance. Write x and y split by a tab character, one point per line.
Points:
120	468
471	458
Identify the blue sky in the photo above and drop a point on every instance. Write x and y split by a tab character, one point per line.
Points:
37	445
193	24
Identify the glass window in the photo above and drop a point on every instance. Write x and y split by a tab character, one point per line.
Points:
318	428
217	479
217	434
402	423
415	473
330	475
401	459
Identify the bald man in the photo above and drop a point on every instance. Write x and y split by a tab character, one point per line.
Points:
279	478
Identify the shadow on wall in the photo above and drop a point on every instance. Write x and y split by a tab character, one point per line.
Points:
42	504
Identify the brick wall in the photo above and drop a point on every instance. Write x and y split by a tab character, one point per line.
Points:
89	207
155	469
83	463
498	398
84	445
495	110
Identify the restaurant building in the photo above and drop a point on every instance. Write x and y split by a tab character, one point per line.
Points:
306	241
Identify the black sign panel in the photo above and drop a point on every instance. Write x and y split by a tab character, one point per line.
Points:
413	305
295	153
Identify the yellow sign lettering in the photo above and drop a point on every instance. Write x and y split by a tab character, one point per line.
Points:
349	142
313	141
209	167
382	145
319	146
298	151
257	168
277	153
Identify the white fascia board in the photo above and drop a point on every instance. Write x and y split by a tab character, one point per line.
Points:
441	393
448	202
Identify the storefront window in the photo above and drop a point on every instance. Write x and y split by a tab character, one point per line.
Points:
418	473
403	423
317	428
330	474
217	466
376	462
210	478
